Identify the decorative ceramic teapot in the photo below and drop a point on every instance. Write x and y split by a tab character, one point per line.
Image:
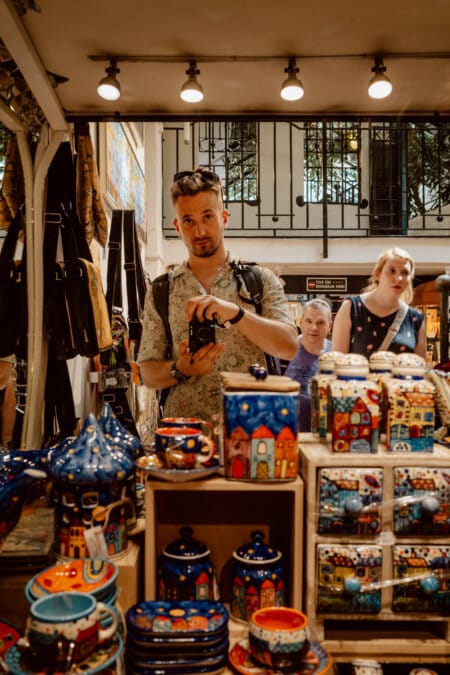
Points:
185	570
257	576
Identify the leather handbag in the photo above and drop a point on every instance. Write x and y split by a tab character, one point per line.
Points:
117	364
13	293
76	309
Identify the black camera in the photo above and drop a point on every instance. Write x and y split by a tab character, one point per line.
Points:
200	333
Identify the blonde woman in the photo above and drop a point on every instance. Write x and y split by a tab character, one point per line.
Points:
362	322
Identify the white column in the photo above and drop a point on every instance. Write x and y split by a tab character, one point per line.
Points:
154	262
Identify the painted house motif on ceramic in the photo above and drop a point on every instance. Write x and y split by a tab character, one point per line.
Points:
422	500
350	500
260	437
344	577
411	406
426	572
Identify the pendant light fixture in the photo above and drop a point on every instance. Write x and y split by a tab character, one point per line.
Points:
109	87
380	85
292	87
192	91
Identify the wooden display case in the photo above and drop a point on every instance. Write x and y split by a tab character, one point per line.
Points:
222	514
386	635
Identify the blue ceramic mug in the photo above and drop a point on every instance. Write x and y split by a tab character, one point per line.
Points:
65	627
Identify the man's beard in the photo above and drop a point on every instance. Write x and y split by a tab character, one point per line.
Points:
202	252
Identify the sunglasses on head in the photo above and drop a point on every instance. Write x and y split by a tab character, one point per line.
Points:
205	175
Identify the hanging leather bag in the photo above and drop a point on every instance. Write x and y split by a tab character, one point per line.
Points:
13	293
77	312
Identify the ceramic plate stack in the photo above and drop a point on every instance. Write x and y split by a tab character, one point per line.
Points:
85	575
176	638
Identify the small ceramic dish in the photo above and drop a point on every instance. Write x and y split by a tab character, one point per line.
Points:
176	663
186	670
178	475
183	619
167	651
85	575
316	662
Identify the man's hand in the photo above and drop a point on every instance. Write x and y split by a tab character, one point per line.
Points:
201	362
210	308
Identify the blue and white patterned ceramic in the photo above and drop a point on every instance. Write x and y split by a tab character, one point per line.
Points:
184	621
279	637
94	481
257	577
185	570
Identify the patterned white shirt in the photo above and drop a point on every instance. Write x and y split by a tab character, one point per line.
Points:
203	397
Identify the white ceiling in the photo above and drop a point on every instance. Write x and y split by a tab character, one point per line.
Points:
64	34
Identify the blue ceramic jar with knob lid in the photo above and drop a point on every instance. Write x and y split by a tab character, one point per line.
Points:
185	570
257	575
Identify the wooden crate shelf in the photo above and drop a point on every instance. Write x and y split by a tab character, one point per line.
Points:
397	637
222	514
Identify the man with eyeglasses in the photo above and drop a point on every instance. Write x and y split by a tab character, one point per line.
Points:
204	288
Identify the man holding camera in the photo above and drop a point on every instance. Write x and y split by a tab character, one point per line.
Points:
207	310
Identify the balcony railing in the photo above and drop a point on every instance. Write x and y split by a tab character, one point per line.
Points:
379	178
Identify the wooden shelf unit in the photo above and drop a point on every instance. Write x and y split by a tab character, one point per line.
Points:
398	637
223	513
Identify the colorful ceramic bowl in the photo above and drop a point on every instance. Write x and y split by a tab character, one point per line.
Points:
278	637
86	575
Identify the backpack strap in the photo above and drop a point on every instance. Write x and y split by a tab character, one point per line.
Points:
249	281
250	290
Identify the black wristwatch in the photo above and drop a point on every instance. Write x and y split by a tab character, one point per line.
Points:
180	378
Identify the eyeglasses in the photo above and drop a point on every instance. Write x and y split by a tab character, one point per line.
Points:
205	175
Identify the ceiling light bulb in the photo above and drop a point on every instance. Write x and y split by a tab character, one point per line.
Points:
109	87
292	87
380	85
192	91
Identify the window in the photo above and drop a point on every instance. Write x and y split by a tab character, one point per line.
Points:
428	167
230	149
334	146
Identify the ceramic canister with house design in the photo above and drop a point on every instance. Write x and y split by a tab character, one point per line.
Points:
319	392
410	406
91	490
354	406
260	427
257	577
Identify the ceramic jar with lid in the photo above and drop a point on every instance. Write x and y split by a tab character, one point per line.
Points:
319	392
92	482
354	406
410	406
257	575
185	570
380	369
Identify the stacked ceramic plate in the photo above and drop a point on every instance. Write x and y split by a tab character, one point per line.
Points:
176	638
85	575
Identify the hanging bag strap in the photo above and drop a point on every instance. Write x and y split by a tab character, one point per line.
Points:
134	275
394	327
113	275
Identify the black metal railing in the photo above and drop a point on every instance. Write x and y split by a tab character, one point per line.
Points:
320	179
